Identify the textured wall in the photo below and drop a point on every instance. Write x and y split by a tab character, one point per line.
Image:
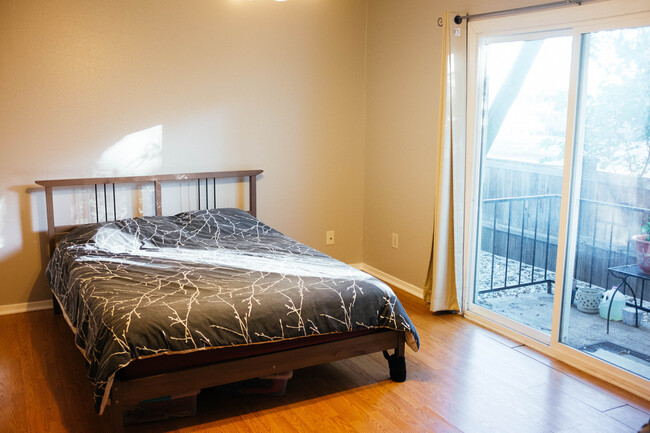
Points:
403	80
203	85
229	84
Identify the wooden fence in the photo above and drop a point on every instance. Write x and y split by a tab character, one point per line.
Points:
521	214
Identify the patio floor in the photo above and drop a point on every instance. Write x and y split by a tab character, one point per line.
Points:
625	346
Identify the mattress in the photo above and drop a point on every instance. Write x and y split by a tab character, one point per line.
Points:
146	287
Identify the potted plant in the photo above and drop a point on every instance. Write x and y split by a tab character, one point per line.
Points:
642	242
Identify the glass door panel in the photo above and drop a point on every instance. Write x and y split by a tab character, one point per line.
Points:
523	103
613	203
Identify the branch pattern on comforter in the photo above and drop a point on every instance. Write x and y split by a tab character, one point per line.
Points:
145	286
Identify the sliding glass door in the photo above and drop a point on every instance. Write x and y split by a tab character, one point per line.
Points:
612	202
559	144
523	102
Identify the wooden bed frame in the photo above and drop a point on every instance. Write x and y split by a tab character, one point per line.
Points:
125	392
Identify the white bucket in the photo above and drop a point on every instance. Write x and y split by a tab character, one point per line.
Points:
618	304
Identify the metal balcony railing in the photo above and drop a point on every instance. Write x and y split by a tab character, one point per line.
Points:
519	229
522	233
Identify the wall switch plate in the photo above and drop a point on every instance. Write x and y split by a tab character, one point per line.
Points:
395	241
329	237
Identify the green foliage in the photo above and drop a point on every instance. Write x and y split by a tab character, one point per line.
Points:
645	228
617	130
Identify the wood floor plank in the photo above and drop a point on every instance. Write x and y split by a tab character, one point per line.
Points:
628	415
508	342
464	379
591	390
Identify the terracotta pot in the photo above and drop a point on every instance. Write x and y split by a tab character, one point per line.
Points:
642	252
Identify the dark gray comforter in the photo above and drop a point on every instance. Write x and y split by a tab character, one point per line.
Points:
145	286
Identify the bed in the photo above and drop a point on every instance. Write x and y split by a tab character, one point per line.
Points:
169	304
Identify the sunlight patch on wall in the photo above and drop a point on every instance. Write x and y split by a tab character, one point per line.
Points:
135	154
37	204
3	215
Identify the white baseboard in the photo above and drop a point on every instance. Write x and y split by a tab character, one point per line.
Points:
400	284
26	307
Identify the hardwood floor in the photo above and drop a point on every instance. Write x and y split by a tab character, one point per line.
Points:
464	379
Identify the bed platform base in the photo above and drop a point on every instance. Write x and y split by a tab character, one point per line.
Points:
133	391
127	392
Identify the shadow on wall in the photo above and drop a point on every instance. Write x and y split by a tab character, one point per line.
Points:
33	244
136	153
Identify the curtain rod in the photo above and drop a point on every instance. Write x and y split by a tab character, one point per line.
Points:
459	19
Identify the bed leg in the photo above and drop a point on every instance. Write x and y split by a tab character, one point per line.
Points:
397	362
55	305
116	411
116	418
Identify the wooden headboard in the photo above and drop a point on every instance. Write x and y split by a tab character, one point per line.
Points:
55	231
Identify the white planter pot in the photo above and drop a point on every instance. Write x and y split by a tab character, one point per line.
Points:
588	299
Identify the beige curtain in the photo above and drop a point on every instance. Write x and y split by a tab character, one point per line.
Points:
444	283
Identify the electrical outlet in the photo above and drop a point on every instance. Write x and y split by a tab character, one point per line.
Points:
329	237
395	241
